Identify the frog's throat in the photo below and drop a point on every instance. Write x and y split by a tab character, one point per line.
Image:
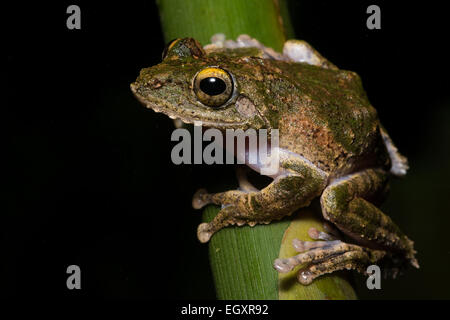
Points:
159	106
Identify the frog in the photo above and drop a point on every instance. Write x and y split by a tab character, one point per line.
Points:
332	146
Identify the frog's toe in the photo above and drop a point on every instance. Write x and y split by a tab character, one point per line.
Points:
302	246
321	257
200	199
204	232
283	265
310	251
353	259
308	274
320	235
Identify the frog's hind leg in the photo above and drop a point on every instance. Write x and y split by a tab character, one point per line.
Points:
345	203
321	257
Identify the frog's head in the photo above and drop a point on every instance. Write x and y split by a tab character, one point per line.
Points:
191	86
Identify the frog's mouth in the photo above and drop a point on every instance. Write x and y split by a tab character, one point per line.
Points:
158	105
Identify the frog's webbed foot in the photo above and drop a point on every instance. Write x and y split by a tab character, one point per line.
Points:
326	256
229	214
302	51
293	50
219	41
224	218
200	199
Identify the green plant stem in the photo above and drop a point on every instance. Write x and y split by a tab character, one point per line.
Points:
241	257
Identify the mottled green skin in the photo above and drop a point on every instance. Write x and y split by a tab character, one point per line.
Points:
322	114
327	126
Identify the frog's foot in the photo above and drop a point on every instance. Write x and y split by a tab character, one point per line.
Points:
322	257
224	218
200	199
228	215
219	41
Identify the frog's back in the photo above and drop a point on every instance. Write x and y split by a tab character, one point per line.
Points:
328	119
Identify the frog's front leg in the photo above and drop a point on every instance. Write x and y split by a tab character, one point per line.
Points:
288	192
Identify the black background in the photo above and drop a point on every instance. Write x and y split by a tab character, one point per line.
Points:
88	177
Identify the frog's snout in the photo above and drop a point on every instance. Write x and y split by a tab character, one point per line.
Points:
153	83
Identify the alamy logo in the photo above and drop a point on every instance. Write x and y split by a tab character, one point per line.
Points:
74	280
374	280
374	20
257	148
74	20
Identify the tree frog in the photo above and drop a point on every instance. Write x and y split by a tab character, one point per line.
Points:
331	145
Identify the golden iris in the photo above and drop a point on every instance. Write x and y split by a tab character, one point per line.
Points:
213	86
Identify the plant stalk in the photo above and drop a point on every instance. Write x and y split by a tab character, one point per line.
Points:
242	257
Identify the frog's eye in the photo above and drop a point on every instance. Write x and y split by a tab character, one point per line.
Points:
168	47
182	48
213	86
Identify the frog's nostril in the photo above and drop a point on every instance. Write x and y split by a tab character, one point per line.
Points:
155	83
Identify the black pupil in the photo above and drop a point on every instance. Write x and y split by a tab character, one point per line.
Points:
213	86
